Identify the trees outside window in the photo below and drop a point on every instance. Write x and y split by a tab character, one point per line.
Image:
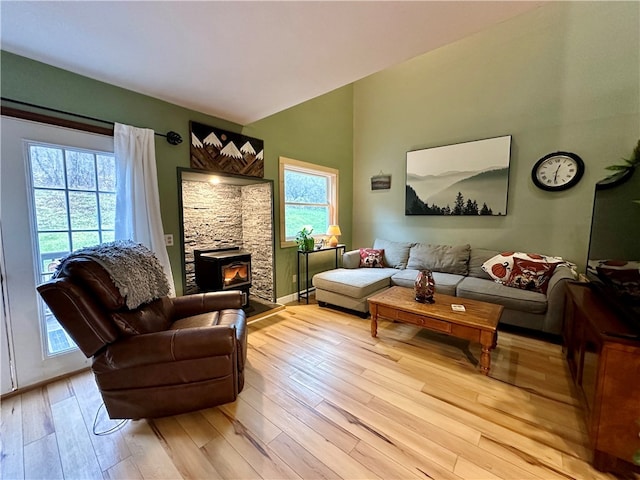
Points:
72	206
308	198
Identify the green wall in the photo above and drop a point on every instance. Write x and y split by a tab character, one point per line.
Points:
314	131
318	131
562	77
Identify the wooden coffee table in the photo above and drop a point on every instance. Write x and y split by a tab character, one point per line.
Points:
477	324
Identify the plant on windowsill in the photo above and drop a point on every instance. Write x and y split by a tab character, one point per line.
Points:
304	239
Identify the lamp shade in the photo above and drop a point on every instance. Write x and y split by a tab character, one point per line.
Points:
334	230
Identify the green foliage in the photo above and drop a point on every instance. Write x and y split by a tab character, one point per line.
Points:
305	188
298	216
304	239
630	162
636	455
82	211
306	202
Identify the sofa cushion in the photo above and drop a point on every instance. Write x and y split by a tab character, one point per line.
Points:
371	258
396	254
149	318
477	257
493	292
356	283
445	282
440	258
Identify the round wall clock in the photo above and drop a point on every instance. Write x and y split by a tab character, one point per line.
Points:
557	171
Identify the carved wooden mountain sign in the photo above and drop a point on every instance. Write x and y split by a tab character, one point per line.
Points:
227	152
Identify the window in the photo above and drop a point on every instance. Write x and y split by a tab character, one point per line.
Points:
73	204
308	197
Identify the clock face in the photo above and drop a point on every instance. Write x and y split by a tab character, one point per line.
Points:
557	171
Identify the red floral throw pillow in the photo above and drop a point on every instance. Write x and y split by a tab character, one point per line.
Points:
500	267
530	275
371	258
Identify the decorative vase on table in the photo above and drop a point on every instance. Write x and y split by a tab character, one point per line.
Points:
425	287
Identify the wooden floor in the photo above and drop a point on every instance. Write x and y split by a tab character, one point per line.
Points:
325	400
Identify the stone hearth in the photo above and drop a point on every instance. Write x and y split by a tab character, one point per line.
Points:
235	212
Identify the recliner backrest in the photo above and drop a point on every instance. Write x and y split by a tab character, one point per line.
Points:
84	319
92	310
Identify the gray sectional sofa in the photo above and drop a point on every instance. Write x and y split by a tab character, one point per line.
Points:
457	271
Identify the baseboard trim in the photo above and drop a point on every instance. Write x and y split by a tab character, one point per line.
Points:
33	386
288	298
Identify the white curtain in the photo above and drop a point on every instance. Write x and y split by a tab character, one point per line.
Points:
137	199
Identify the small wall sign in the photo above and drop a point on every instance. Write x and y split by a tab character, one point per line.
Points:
381	182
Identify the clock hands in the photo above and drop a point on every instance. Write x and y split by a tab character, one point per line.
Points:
555	175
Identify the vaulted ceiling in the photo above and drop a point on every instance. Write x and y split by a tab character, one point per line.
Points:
238	60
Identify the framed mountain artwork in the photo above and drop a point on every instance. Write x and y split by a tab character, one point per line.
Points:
226	152
470	178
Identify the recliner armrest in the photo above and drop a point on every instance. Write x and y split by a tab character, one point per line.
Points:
167	346
195	304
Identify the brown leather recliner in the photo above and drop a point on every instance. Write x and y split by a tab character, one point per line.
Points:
169	356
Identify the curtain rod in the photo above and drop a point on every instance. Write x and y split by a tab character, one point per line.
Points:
172	137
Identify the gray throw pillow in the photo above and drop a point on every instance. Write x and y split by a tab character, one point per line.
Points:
440	258
477	258
396	254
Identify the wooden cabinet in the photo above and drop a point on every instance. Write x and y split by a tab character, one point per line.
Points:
604	359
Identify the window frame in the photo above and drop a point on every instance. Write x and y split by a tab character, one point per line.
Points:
312	169
44	314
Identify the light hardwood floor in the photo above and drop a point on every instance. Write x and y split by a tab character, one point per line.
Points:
323	399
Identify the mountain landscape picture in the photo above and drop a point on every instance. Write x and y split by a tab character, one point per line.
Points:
227	152
470	178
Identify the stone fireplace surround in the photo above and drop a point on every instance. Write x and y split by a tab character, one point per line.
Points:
235	211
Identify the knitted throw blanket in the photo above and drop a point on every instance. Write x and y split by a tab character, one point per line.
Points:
134	269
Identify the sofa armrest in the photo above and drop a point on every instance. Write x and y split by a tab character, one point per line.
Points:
560	274
195	304
555	299
351	259
167	346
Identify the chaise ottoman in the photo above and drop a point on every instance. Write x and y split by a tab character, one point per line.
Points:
350	287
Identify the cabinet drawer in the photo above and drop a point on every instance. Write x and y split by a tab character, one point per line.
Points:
426	322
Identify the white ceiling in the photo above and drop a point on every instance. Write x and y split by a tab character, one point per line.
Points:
238	60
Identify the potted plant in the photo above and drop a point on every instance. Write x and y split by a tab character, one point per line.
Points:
629	165
304	239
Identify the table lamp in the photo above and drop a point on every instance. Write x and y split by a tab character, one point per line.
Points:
334	230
